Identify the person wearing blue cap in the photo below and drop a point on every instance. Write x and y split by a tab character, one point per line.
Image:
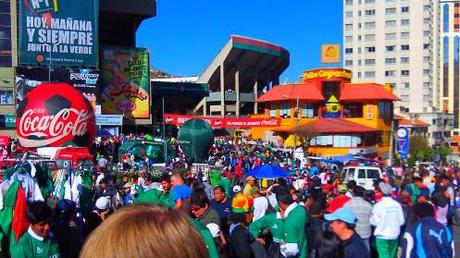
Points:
343	222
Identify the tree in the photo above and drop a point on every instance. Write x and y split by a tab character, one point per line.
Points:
305	133
419	148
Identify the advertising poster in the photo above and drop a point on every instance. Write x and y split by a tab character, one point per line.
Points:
402	144
84	80
330	53
125	82
224	122
58	32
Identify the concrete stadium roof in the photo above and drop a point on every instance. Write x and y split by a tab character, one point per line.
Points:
255	60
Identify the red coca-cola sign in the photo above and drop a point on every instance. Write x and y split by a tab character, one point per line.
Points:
54	115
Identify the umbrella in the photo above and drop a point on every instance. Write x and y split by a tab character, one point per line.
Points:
103	133
268	171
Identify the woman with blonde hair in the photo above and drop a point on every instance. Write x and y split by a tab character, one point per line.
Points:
142	230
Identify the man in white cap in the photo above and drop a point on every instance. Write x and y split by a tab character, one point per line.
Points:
387	217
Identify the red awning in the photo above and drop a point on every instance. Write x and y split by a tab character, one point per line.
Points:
336	125
292	92
366	91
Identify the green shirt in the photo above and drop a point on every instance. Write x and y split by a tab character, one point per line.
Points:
151	196
207	237
295	228
225	183
270	221
32	245
214	177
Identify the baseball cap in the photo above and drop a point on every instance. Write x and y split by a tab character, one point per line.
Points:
214	229
344	214
385	188
237	189
102	203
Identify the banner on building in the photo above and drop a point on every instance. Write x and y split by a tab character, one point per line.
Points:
330	53
125	82
224	122
115	120
84	80
402	144
58	32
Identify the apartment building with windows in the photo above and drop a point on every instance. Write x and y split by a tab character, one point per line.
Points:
397	42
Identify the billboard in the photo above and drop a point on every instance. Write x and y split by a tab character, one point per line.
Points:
84	80
125	82
58	32
402	144
224	122
330	53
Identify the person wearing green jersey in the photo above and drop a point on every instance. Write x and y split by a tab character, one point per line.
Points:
37	241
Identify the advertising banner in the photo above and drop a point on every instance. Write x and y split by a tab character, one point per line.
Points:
58	32
125	82
84	80
330	53
109	120
225	122
402	144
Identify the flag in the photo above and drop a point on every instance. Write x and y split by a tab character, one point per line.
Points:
19	223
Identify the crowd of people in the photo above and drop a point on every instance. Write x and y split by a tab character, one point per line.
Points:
224	211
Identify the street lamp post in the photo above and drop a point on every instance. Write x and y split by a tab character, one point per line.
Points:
164	129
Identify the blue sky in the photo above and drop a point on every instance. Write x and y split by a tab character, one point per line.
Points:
186	35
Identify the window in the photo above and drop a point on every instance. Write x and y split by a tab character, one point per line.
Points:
373	174
369	37
390	36
370	49
359	62
348	38
370	1
390	23
359	74
359	13
272	110
426	97
348	2
427	7
369	25
426	21
404	72
369	61
405	98
405	35
6	97
353	110
389	11
285	110
426	85
348	14
359	25
426	33
390	48
385	109
426	46
426	71
348	50
390	73
390	60
405	22
348	62
309	111
405	60
369	74
5	35
405	9
405	47
349	26
369	12
406	85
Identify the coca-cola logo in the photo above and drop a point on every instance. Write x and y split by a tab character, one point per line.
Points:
53	128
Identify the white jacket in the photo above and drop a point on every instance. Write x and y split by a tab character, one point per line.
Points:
387	216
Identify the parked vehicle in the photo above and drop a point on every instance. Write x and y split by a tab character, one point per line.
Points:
364	176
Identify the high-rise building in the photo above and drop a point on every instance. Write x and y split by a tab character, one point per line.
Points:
397	42
449	59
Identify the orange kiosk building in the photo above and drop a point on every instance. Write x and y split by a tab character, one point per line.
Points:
339	117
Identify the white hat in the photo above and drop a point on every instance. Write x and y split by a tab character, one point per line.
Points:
214	229
237	189
102	203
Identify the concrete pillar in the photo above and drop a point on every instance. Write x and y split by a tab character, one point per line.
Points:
237	92
205	107
256	95
222	90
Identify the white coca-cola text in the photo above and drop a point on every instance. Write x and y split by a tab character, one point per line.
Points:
68	121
